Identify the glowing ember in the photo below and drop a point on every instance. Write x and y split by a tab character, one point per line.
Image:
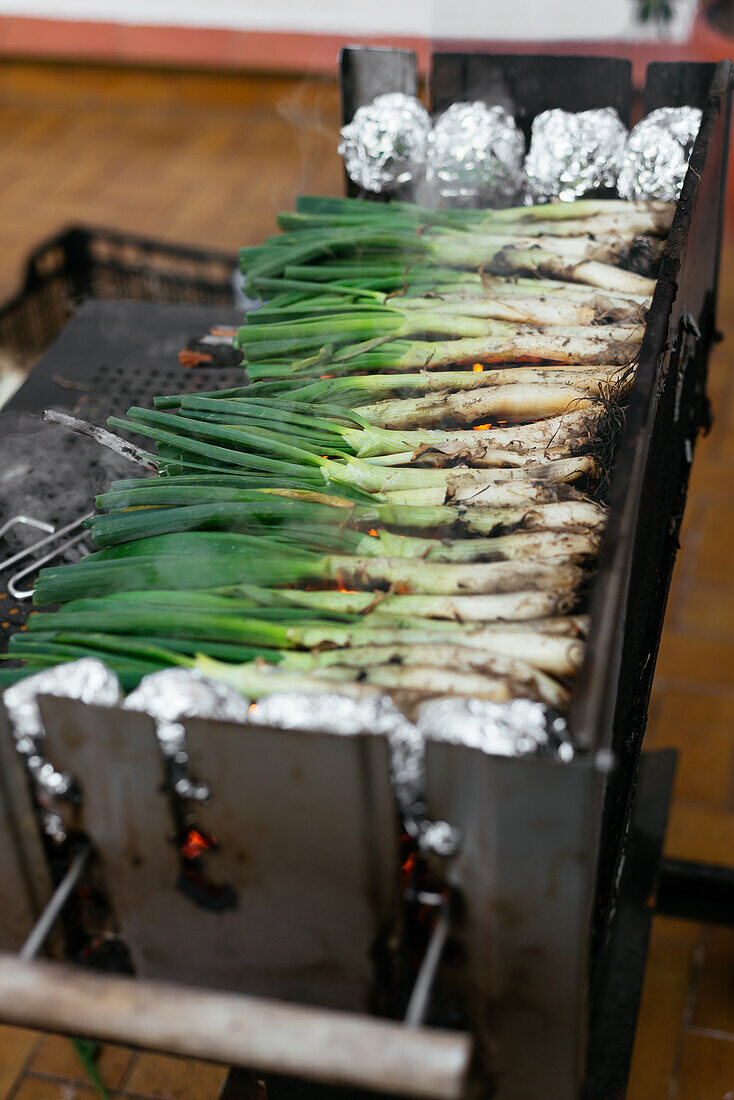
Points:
196	843
481	427
372	532
408	868
478	367
193	358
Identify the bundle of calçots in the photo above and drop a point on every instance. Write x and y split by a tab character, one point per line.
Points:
405	498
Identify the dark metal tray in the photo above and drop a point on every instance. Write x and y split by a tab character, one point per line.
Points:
111	355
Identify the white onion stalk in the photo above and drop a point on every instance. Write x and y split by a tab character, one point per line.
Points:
360	390
573	546
527	310
591	271
485	521
524	486
427	682
474	251
465	578
456	657
497	495
504	463
572	430
552	654
516	402
603	344
501	607
660	214
521	285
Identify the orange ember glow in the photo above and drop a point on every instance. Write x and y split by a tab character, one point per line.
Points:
196	843
478	367
342	587
193	358
372	532
408	867
481	427
326	376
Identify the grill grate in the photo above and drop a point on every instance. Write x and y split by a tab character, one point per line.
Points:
58	474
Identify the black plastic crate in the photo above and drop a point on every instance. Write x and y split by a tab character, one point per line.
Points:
83	262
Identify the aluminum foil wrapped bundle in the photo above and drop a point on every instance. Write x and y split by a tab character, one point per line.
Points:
475	151
519	728
89	680
384	145
572	154
178	693
655	159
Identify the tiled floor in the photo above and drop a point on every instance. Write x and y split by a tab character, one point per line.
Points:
685	1041
46	1067
209	160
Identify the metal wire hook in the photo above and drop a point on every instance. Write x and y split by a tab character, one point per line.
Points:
30	550
29	521
26	593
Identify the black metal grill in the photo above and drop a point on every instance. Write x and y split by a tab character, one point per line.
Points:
67	471
667	406
521	939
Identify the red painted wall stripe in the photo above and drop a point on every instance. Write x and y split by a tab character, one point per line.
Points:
297	52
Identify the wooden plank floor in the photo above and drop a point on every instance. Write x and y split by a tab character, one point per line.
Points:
208	160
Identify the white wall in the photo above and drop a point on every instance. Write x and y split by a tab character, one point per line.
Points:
488	19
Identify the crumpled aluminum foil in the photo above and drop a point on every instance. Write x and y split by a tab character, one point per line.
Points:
89	680
519	728
385	143
572	154
177	693
655	159
475	151
172	695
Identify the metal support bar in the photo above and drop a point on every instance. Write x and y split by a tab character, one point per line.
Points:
42	928
701	892
337	1048
419	998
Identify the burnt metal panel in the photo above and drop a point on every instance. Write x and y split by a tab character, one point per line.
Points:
113	755
666	409
527	84
308	833
301	888
676	84
25	884
524	880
